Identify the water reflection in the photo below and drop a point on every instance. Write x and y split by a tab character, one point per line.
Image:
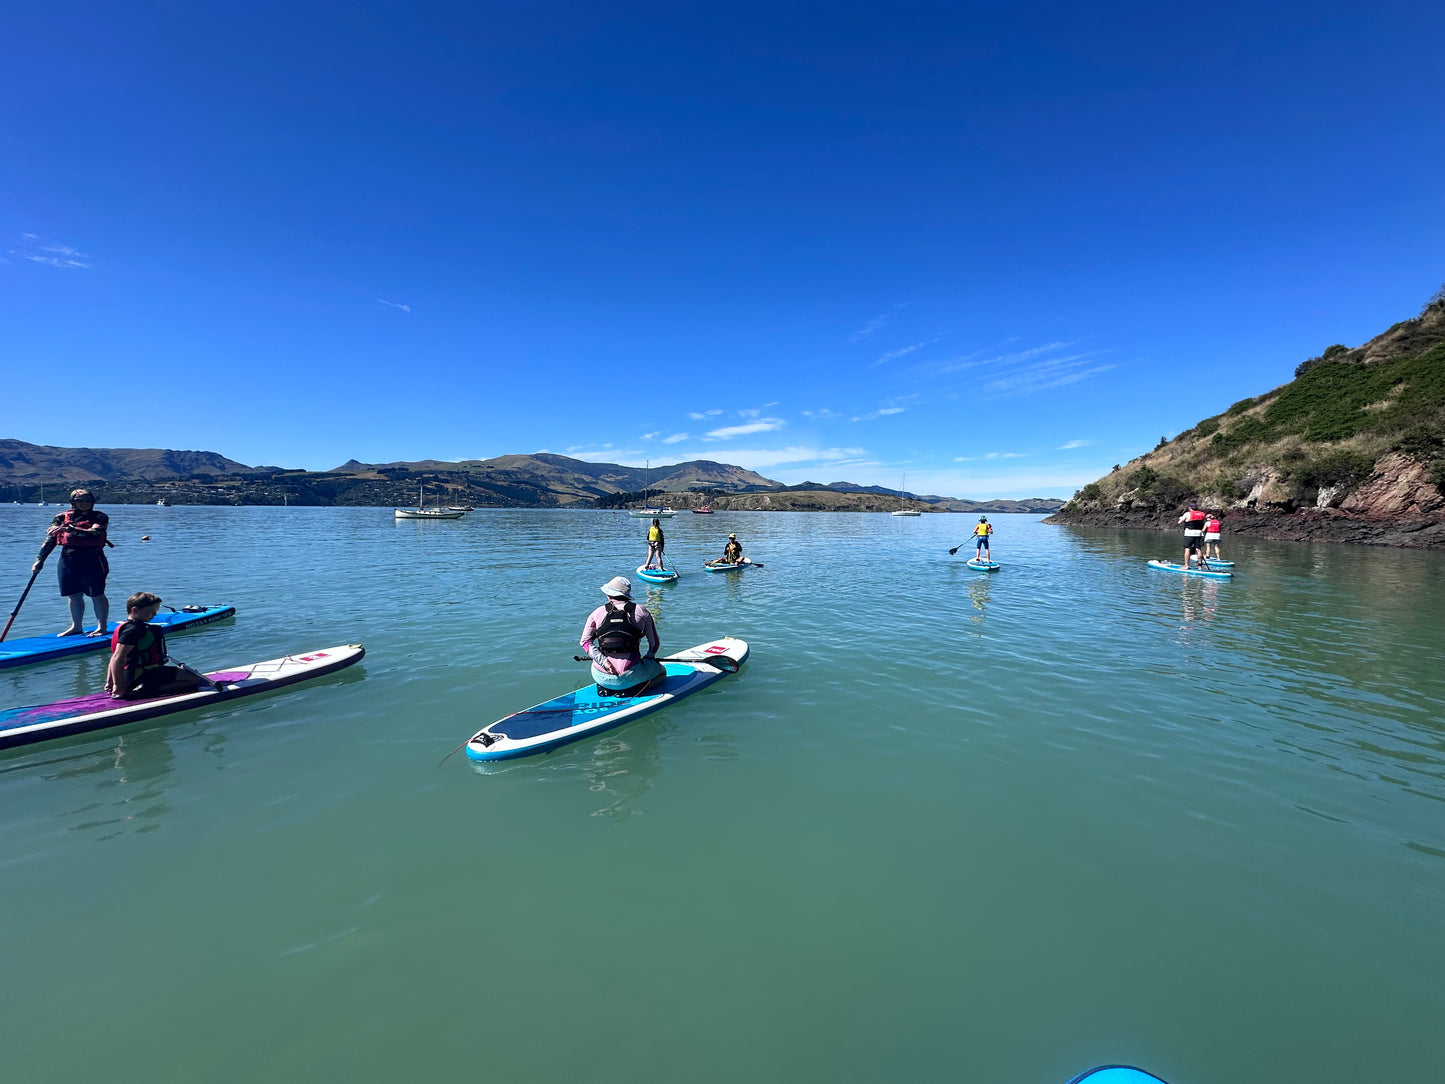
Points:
978	592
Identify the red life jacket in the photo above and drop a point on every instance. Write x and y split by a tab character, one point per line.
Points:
147	654
1212	527
1195	520
80	540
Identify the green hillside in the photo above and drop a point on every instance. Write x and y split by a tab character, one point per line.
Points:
1350	416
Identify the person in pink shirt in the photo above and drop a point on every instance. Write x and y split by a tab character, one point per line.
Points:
612	638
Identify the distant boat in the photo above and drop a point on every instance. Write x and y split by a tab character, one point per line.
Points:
422	512
162	502
703	511
904	511
651	511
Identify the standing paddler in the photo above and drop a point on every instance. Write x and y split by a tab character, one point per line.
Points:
80	534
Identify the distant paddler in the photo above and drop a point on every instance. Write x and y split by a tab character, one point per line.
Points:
1212	527
82	570
981	534
732	553
612	638
1194	519
656	542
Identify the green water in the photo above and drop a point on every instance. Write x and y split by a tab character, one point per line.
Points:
942	826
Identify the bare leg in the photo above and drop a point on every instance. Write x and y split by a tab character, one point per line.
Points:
102	614
77	615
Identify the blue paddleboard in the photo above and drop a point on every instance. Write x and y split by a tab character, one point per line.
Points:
725	568
657	575
1116	1074
1170	566
983	566
44	648
583	713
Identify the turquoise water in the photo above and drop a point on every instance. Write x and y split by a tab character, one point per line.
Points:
942	826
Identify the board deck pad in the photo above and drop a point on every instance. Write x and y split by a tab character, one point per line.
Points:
97	711
1171	566
32	649
584	712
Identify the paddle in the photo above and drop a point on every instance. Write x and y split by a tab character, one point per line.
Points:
755	564
722	662
15	612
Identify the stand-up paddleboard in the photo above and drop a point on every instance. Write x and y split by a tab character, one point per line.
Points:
584	713
1170	566
727	568
1116	1074
657	575
44	648
1212	563
20	726
983	566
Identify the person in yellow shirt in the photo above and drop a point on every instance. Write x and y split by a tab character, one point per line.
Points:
980	540
655	544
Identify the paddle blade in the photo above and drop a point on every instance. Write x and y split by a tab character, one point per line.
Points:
953	551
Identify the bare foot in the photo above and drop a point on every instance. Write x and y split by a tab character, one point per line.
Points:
74	630
96	632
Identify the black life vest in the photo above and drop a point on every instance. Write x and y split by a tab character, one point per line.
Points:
616	634
146	654
80	540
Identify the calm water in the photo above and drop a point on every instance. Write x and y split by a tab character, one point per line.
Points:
942	827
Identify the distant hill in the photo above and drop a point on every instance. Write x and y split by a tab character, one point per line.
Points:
542	480
42	464
1352	449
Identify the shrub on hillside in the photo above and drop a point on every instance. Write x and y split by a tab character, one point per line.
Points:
1158	489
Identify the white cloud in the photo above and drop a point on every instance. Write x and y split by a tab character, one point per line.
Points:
650	436
674	438
1006	455
759	458
822	412
762	425
1074	444
395	304
51	254
902	351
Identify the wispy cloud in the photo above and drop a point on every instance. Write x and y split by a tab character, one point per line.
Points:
902	351
874	324
395	304
674	438
1005	455
822	412
881	412
761	458
32	248
762	425
704	415
650	436
1020	372
1074	444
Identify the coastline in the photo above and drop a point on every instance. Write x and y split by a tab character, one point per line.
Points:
1305	525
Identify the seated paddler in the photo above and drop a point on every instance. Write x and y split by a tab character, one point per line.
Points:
613	639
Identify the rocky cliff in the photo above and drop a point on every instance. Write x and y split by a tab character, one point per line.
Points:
1351	450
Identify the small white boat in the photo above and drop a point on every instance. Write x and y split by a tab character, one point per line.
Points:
422	512
652	513
904	511
162	502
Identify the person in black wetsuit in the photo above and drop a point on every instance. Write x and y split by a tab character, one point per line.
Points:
80	534
139	666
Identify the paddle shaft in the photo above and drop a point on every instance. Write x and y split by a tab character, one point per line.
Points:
16	612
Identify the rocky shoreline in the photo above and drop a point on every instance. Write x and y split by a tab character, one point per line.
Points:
1305	525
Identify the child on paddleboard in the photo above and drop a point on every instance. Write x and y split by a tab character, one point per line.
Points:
1211	536
656	542
139	666
732	552
981	550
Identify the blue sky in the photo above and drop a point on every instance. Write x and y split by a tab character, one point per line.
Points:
997	247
